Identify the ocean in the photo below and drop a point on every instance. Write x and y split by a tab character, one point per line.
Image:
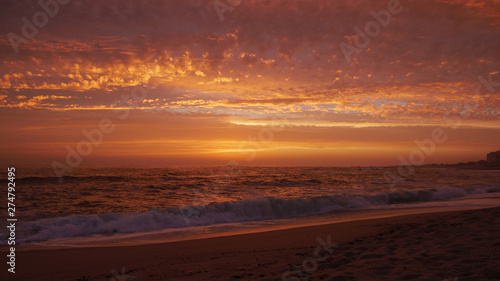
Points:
94	202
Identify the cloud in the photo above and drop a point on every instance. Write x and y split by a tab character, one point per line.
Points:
266	59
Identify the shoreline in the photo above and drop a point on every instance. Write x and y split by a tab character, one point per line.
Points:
269	253
469	202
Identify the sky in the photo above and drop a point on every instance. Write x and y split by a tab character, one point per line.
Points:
282	82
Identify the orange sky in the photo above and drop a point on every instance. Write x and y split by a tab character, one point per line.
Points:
268	85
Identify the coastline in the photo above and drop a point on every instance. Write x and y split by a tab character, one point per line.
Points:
469	202
370	249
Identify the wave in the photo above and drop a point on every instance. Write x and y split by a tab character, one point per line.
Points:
76	178
292	183
225	212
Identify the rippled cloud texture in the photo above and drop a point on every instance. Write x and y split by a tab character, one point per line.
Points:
268	62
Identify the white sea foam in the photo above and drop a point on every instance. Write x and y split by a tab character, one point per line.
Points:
226	212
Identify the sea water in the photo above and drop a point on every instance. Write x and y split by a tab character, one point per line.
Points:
127	201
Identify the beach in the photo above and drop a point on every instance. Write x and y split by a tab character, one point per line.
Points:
250	140
441	245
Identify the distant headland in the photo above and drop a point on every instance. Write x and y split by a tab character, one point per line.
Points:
492	162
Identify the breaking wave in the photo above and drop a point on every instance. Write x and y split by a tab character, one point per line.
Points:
225	212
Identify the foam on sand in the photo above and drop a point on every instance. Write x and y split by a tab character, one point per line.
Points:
268	208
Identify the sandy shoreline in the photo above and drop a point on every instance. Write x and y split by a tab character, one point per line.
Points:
470	202
431	246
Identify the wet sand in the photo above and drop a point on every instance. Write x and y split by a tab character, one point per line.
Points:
432	246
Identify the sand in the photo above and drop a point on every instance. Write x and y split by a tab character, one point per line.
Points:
458	245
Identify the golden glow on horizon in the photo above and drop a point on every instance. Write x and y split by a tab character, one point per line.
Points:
212	88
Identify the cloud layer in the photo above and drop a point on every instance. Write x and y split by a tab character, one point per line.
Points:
266	61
